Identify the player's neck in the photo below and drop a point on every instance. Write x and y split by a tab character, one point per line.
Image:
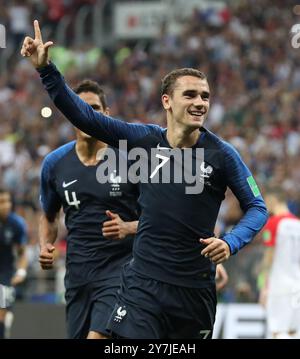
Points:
281	209
87	151
179	137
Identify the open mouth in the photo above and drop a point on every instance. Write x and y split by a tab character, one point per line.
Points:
197	113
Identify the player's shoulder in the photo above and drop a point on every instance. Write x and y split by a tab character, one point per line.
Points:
147	135
155	128
150	128
213	141
17	220
216	141
56	155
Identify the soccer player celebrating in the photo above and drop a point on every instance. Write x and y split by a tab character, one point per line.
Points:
281	269
13	239
168	289
101	220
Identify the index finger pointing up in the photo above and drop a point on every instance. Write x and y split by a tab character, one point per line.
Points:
37	31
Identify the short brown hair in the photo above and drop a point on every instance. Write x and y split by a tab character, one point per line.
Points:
91	86
168	82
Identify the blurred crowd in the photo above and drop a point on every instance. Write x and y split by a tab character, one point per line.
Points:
254	75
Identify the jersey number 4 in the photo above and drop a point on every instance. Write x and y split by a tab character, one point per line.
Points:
75	202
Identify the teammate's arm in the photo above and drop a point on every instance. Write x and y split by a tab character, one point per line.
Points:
51	204
75	110
264	273
20	246
268	236
116	228
48	229
22	263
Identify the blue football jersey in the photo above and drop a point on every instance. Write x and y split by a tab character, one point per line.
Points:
12	232
66	182
167	244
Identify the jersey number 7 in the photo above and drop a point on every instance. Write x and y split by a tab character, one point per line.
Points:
160	165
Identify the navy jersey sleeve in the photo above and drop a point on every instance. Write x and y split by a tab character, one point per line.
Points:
21	230
82	115
241	182
49	198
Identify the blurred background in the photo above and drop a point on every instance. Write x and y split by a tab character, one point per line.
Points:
245	49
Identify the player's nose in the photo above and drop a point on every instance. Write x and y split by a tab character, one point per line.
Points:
199	102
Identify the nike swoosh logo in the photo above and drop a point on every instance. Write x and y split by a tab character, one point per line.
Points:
68	184
162	148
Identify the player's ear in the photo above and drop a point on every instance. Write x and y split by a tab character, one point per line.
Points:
107	111
165	99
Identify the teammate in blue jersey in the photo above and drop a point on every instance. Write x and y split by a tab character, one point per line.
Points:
101	220
168	289
13	238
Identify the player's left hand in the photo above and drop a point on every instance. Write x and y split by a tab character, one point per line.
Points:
115	228
216	249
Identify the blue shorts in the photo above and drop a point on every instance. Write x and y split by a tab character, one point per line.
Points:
150	309
89	307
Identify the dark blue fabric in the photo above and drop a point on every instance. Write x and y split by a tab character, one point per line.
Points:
66	182
150	309
167	245
12	232
49	198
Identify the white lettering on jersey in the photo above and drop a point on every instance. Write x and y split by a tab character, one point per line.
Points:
75	202
160	165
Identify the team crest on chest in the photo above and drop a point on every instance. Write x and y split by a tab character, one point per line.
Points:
115	188
206	173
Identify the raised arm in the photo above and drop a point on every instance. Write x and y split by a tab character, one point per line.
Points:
78	112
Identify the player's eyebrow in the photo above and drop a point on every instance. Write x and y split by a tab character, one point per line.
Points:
193	93
190	93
